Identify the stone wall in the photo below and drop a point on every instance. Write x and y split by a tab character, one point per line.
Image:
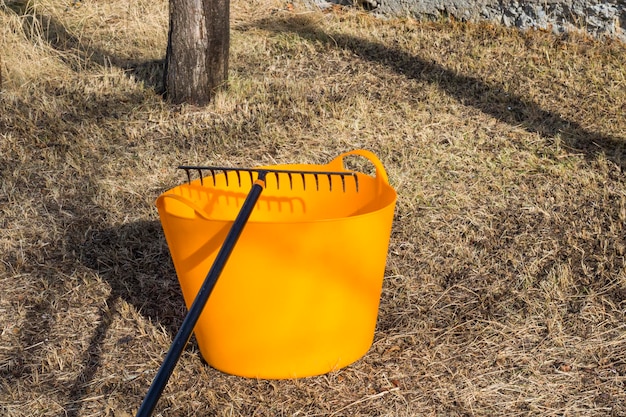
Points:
599	18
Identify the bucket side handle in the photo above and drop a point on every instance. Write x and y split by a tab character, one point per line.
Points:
188	207
381	174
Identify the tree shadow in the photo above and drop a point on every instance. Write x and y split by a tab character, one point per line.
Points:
490	98
134	260
41	27
131	258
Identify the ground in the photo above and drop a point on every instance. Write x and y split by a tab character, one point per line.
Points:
505	286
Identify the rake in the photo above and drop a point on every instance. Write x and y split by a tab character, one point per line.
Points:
259	178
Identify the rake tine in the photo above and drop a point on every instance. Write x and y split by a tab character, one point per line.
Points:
277	179
303	181
188	176
213	176
201	178
343	182
251	176
238	177
330	181
226	176
356	181
317	182
290	181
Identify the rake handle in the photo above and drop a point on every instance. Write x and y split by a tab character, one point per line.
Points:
184	333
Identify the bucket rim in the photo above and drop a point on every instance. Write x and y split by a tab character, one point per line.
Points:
391	204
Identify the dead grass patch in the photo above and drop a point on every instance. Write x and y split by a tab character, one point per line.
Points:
505	289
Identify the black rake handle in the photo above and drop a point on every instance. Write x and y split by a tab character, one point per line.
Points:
184	333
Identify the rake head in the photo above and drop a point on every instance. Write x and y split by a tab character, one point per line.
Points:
254	173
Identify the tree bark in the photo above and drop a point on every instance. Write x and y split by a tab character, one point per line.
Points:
196	62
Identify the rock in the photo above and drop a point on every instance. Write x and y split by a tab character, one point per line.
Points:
607	18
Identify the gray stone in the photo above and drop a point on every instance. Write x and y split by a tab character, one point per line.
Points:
598	18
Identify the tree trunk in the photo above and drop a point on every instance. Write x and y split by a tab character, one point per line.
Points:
196	63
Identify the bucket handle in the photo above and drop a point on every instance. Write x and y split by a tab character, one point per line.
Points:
381	174
193	206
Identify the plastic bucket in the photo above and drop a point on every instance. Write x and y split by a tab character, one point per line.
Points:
299	295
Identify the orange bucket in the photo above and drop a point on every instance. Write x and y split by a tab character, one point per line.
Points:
300	292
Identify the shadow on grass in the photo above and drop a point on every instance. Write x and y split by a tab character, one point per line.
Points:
131	258
492	99
37	26
135	262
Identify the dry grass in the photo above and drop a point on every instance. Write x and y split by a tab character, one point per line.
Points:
505	291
